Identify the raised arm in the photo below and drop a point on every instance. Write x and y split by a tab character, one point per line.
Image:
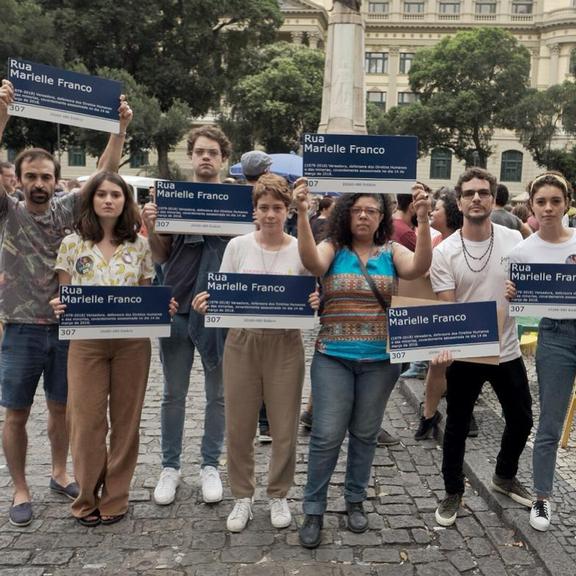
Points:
413	265
160	244
316	259
110	159
6	98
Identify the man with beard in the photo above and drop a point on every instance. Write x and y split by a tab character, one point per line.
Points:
8	179
186	259
33	231
472	266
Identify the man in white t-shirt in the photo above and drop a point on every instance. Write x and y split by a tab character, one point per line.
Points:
472	266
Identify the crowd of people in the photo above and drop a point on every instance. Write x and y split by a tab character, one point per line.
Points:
360	247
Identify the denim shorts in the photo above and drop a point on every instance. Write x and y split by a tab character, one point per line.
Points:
28	352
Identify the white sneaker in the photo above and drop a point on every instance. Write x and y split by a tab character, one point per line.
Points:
540	515
211	485
165	490
241	513
280	515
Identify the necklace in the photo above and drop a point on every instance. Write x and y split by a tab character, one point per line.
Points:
276	252
487	253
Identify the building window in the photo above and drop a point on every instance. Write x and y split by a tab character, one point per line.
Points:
449	7
485	7
413	7
76	156
522	7
376	63
139	159
406	62
378	98
405	98
511	167
441	164
378	7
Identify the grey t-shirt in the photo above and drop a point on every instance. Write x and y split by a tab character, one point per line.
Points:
505	218
30	245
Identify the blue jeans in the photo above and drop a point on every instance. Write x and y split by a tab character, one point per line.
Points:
28	352
177	355
349	396
556	369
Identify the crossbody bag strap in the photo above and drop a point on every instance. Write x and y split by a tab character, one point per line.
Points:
371	283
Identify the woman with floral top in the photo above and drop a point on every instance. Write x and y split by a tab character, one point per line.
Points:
106	378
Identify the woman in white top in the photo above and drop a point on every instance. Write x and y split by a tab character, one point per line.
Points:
262	364
553	243
106	378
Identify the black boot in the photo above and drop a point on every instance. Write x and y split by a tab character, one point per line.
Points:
357	520
310	532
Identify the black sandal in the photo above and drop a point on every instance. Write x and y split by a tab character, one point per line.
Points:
90	520
107	520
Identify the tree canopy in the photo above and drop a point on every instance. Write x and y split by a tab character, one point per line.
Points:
465	83
279	98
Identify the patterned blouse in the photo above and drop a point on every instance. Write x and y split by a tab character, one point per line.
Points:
83	260
353	324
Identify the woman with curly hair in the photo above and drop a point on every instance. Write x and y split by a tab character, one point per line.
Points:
351	374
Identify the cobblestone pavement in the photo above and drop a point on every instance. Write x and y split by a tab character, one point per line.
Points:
557	547
189	537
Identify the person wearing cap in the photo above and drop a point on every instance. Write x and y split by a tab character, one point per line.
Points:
254	164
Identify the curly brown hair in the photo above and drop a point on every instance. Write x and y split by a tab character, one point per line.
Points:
128	223
213	133
339	232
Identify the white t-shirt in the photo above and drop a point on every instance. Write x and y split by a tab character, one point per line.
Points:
450	271
244	255
534	250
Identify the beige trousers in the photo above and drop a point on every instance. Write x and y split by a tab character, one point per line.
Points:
262	365
105	378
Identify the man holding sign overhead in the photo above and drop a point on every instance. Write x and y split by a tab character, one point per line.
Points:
33	231
472	266
186	258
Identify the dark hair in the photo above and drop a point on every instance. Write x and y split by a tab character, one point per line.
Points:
472	173
522	211
325	203
274	185
339	231
404	201
454	217
214	133
551	178
502	195
32	154
5	165
88	225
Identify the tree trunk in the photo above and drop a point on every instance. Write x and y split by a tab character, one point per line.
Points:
163	166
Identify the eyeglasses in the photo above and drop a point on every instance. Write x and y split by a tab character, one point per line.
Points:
471	193
370	212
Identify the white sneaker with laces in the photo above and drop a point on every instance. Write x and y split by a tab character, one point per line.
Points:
211	485
540	515
240	515
165	490
280	515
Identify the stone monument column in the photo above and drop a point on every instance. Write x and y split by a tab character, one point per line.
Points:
343	100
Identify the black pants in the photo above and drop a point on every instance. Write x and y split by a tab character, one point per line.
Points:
464	382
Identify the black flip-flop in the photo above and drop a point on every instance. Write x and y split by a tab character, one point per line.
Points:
90	520
111	519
